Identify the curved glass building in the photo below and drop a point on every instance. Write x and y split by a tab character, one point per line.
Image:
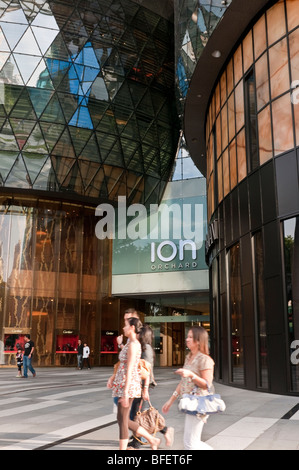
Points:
87	114
86	98
242	128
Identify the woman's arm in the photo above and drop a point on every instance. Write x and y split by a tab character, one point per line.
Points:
201	381
172	399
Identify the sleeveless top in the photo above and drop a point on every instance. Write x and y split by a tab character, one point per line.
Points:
120	377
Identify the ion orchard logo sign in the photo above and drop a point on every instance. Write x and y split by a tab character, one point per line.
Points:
173	229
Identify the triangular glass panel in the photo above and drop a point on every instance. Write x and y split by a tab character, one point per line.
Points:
81	118
14	94
87	57
136	163
26	64
69	104
70	82
88	170
79	138
58	50
97	187
73	181
40	99
14	15
41	77
107	123
129	148
130	127
13	32
62	167
115	156
34	163
44	37
91	151
97	109
23	107
28	44
46	180
58	70
3	58
119	188
152	19
43	20
22	128
64	146
7	160
53	112
18	177
112	175
99	90
10	73
7	138
51	132
35	142
105	142
3	43
31	10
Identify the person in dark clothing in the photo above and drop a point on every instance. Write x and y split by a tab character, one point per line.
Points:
29	348
80	354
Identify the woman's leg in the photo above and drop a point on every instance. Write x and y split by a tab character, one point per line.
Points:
140	431
192	434
123	423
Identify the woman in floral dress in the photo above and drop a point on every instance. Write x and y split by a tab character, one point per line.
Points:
127	386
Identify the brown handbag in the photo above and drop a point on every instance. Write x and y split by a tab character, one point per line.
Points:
150	419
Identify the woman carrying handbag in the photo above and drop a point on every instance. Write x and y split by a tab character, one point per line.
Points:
127	386
198	371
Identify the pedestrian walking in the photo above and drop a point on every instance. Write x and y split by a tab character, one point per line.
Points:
198	370
127	386
85	358
79	354
27	357
145	338
19	359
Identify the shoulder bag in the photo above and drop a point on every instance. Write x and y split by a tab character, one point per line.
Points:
198	405
150	419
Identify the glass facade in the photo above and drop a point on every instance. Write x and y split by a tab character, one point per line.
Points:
253	199
251	111
291	262
54	272
86	98
87	114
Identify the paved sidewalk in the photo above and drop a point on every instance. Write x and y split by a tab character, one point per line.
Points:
66	409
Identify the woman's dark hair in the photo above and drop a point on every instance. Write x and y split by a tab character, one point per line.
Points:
135	322
146	336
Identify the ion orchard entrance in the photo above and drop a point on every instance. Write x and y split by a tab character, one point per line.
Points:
170	319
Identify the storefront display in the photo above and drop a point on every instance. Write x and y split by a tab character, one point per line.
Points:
109	342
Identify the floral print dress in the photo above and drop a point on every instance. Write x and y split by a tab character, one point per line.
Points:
120	378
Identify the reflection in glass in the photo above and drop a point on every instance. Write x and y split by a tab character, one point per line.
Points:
236	315
262	366
291	266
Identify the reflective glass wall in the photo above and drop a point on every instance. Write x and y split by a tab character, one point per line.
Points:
54	273
86	98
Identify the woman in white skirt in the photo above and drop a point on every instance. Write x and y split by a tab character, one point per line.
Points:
198	370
